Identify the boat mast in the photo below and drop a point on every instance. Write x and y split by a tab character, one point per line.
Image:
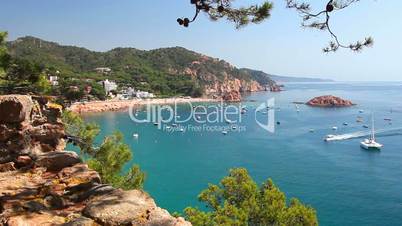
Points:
372	127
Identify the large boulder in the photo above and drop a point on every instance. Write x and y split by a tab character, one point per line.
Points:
78	174
132	207
329	101
15	108
57	160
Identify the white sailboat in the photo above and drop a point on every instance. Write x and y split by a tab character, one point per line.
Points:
371	143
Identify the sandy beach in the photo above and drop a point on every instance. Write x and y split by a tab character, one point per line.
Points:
120	105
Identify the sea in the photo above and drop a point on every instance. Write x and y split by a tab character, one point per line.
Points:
346	184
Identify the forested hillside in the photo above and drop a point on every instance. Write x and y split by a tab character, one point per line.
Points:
165	71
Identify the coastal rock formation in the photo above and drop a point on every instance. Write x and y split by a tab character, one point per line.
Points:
41	184
28	127
15	108
329	101
56	161
231	90
232	96
128	208
275	88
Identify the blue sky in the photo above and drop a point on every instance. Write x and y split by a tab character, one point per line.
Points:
278	46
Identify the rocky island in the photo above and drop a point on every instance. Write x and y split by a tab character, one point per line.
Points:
43	184
329	101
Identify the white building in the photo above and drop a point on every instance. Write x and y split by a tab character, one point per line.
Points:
108	85
54	80
143	94
104	70
131	92
127	93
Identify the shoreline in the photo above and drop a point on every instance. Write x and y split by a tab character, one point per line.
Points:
120	105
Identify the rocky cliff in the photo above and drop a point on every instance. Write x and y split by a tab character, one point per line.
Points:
231	90
42	184
220	79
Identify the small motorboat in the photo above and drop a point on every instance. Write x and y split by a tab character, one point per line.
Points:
388	119
155	123
334	128
234	127
174	125
329	137
135	135
361	111
365	126
224	132
278	122
311	130
359	120
345	124
167	127
181	129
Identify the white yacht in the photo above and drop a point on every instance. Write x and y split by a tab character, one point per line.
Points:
370	143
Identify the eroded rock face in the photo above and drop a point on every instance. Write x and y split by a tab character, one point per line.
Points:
28	127
275	88
40	184
232	96
329	101
15	108
5	167
36	219
230	90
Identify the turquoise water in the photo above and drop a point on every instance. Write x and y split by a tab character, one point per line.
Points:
346	185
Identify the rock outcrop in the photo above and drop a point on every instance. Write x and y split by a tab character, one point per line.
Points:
275	88
129	208
231	90
15	108
41	184
28	126
329	101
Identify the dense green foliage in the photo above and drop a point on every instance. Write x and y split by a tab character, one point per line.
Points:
109	158
165	72
3	51
238	200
